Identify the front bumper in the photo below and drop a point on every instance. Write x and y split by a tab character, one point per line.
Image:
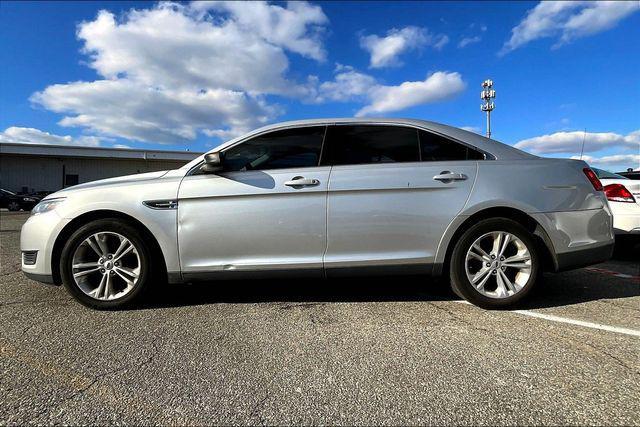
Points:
39	234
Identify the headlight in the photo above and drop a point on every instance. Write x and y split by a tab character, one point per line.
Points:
28	199
47	205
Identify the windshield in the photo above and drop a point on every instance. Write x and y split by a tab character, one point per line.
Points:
602	174
8	192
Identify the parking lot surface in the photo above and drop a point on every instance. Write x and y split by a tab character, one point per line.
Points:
399	350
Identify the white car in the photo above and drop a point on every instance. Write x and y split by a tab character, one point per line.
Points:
624	199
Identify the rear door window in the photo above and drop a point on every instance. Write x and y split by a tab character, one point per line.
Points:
369	144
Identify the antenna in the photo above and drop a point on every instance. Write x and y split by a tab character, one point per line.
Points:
487	94
584	136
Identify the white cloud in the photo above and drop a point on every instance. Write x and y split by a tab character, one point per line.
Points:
133	111
173	70
298	27
616	162
569	20
466	41
571	142
385	50
347	85
439	86
352	85
22	135
440	41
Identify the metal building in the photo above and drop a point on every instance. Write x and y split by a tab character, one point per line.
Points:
28	168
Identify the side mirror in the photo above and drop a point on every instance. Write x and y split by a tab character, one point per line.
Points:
212	162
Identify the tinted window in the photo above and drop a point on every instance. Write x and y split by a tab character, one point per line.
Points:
603	174
291	148
438	148
353	145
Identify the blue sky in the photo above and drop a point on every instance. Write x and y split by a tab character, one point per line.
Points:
185	76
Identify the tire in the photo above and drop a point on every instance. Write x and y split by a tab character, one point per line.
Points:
13	206
113	291
506	285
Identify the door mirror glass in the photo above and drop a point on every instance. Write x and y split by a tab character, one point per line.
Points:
212	162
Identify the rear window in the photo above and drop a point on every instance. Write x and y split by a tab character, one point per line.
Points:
437	148
366	144
603	174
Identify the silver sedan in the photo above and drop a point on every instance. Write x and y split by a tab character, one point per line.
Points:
327	198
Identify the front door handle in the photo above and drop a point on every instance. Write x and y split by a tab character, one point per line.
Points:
300	181
446	176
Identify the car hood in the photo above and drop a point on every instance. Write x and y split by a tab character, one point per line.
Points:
120	180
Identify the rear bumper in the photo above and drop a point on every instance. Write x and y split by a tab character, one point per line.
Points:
584	257
626	224
578	238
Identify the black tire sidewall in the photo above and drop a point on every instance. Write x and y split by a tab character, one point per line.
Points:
102	225
461	284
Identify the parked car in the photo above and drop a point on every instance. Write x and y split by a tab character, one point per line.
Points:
15	202
631	174
624	199
327	198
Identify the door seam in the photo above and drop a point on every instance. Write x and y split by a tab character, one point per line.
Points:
326	224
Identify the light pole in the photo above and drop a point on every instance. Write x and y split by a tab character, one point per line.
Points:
487	95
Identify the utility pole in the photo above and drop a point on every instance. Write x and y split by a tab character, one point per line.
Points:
487	95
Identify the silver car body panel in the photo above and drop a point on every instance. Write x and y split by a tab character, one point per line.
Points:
356	216
252	220
393	213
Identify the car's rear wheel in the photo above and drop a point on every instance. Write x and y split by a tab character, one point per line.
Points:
494	264
105	264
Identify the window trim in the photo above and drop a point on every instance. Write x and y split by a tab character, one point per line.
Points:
487	155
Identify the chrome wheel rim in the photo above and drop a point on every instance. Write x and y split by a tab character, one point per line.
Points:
106	266
498	264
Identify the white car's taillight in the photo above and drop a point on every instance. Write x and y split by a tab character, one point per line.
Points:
593	179
618	193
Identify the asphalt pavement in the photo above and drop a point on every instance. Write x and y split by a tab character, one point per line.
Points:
393	350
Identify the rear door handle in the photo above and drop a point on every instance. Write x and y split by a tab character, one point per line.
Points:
446	176
300	181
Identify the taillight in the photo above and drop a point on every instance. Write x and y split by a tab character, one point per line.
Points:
593	179
618	193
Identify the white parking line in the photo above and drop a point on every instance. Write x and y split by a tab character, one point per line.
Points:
591	325
552	318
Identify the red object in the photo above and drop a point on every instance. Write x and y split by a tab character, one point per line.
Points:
593	178
618	193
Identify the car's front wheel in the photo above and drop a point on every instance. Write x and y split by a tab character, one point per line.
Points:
105	264
495	263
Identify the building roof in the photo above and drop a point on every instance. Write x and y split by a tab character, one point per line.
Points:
44	150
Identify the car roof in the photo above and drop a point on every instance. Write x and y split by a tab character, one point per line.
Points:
498	149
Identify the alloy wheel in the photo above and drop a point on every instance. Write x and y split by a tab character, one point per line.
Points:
498	264
106	266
